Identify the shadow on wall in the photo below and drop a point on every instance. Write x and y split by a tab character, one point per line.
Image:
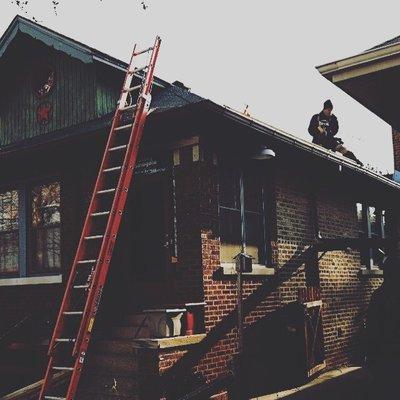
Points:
383	332
274	351
275	324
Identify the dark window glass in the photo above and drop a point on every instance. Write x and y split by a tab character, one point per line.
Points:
9	232
372	224
46	232
229	194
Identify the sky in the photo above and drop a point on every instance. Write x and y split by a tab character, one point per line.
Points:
257	52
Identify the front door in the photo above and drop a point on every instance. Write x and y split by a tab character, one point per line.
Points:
151	211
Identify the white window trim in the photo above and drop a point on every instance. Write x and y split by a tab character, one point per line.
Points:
31	280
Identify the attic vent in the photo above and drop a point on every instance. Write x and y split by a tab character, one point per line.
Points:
180	85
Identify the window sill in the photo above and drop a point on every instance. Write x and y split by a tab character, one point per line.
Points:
371	272
32	280
229	269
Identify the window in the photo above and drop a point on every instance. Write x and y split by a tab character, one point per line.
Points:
372	224
30	230
9	241
45	223
242	191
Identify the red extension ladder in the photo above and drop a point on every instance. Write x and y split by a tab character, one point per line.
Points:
73	329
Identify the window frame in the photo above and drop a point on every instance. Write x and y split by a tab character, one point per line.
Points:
25	258
265	251
366	254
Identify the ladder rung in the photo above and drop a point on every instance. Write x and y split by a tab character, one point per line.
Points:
112	169
126	108
136	70
87	261
63	368
65	340
143	51
73	312
55	398
106	191
132	89
94	237
81	286
100	214
123	127
124	146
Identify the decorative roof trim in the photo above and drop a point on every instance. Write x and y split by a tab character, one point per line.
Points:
62	43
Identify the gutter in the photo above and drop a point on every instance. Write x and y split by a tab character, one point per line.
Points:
292	140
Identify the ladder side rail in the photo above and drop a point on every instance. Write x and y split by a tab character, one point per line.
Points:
82	343
81	246
104	257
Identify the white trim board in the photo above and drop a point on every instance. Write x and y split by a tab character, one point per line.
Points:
32	280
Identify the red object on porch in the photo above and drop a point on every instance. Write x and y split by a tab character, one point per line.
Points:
93	256
189	322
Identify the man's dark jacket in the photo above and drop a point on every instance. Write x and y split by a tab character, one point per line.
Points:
331	126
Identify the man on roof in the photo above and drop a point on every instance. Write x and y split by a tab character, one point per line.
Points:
323	128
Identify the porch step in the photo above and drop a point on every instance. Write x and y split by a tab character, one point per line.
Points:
89	395
135	320
131	332
117	347
112	364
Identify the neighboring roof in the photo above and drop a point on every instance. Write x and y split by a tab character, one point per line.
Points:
60	42
380	53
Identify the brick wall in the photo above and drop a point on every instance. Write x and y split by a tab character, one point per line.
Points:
396	148
299	211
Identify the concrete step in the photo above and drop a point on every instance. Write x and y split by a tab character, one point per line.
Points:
110	385
110	364
115	346
130	332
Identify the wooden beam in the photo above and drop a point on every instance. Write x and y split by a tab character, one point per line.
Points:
352	243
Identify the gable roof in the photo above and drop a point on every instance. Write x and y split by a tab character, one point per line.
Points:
62	43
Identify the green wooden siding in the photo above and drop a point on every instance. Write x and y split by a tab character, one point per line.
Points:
108	86
73	98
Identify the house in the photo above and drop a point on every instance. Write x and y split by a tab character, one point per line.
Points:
304	307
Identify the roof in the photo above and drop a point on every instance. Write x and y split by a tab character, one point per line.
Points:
389	42
301	144
171	97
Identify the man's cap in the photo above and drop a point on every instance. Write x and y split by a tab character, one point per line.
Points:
328	104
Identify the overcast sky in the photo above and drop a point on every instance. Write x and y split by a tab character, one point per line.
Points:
262	53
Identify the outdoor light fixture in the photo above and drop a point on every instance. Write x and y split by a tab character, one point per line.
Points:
264	153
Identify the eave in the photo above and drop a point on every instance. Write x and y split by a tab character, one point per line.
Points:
361	64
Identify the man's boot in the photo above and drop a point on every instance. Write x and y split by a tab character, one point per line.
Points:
350	154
